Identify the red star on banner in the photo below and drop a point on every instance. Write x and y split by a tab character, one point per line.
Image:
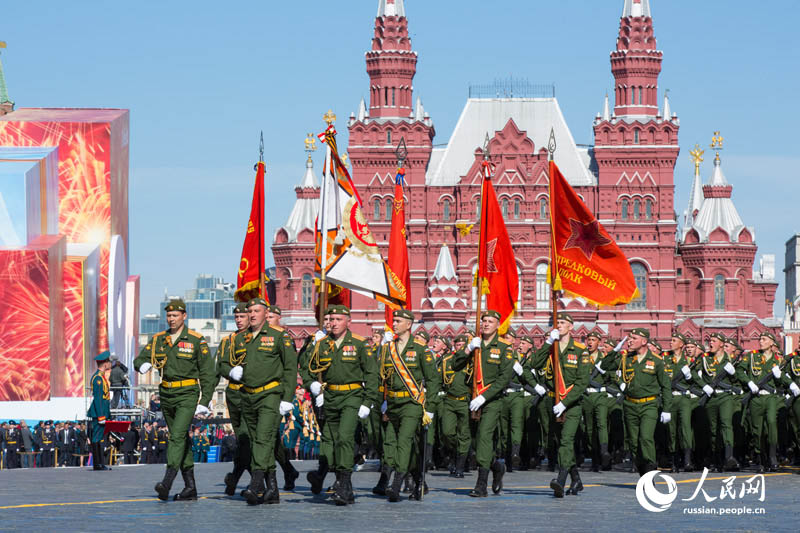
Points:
586	237
491	267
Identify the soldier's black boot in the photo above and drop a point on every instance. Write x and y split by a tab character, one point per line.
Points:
480	487
380	488
317	478
339	495
272	495
605	457
163	486
773	459
420	488
498	469
393	492
557	484
429	463
254	493
687	461
98	461
408	484
348	481
290	473
460	460
232	479
515	459
576	485
189	491
731	465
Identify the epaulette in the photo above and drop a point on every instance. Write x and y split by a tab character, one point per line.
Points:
195	334
503	341
357	337
420	343
659	355
277	328
580	345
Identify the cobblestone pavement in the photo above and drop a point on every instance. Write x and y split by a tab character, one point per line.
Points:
75	499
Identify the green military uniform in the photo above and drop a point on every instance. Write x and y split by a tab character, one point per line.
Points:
595	405
644	380
99	412
791	379
681	435
457	386
188	376
512	417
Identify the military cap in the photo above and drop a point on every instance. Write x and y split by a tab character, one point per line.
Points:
176	305
656	345
492	313
680	336
527	338
424	334
611	341
446	341
328	310
461	338
257	301
274	309
403	313
511	333
733	343
689	340
339	310
719	336
12	422
595	334
103	356
565	316
770	336
241	307
641	332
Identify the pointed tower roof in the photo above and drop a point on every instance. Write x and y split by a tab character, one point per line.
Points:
718	210
362	110
667	112
636	8
419	113
305	207
606	110
391	8
444	265
695	193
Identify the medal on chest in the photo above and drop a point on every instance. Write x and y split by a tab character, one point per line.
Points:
185	347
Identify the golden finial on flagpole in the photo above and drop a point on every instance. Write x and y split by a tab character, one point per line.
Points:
329	117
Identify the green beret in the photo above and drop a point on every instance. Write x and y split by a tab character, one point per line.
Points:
595	334
257	301
641	332
461	338
424	334
403	313
176	305
770	336
719	336
241	307
339	310
565	316
103	356
274	309
491	313
527	339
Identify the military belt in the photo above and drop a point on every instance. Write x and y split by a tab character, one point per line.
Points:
235	386
399	394
640	400
342	388
179	384
551	394
457	398
268	386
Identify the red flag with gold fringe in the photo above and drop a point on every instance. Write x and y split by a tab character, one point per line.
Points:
398	251
250	279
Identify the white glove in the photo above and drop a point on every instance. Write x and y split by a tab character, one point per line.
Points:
474	344
729	369
687	372
430	415
363	412
201	410
541	391
776	371
145	368
236	373
476	404
753	387
387	338
320	400
319	335
559	408
620	344
101	422
553	337
384	406
599	368
665	418
517	368
619	374
708	390
316	388
285	408
622	386
795	389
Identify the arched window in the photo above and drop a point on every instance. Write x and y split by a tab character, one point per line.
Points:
388	137
636	136
478	209
516	208
389	204
377	209
543	208
640	277
719	292
393	100
306	291
504	207
446	210
637	209
648	209
633	95
625	206
542	287
640	95
386	96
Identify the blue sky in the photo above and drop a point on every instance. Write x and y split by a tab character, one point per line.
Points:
203	78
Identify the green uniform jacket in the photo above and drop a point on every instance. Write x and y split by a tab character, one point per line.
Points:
187	358
791	371
224	352
753	366
459	380
647	378
266	355
420	364
101	406
672	365
707	369
576	367
351	362
497	363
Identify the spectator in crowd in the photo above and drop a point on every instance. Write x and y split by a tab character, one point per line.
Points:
65	444
118	380
27	448
130	442
228	446
155	403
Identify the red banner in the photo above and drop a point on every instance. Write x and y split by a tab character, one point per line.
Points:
250	281
398	251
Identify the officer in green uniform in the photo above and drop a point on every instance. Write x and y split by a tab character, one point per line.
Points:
760	371
409	378
576	366
494	363
595	407
644	380
267	369
188	376
349	377
512	418
715	374
457	385
100	409
791	379
680	427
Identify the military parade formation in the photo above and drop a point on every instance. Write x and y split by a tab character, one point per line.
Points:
489	403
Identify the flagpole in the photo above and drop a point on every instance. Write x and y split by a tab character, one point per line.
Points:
551	147
262	287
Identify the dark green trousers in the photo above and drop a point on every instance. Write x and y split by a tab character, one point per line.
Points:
233	399
260	413
178	406
512	420
595	413
545	416
720	420
763	412
681	435
484	436
640	422
97	430
565	435
455	425
339	430
405	419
